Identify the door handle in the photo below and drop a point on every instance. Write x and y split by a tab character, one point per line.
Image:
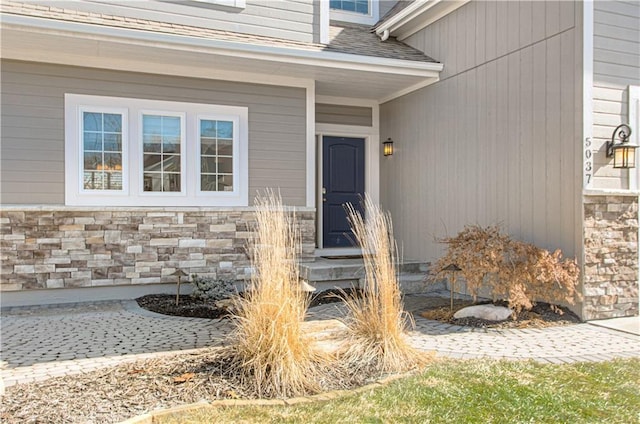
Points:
324	199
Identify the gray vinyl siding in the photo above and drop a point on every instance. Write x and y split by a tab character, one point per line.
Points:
288	19
345	115
616	65
32	151
498	139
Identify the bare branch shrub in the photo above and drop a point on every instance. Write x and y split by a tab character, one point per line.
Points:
268	348
518	272
376	321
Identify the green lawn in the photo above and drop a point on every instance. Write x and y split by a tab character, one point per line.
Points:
470	391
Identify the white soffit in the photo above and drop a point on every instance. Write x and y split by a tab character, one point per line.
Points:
79	44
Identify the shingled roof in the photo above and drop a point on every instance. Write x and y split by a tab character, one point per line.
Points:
343	38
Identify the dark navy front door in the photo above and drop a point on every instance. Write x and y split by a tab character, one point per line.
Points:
342	183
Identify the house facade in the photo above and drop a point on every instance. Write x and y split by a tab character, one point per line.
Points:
135	135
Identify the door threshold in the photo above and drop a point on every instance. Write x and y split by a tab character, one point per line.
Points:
338	251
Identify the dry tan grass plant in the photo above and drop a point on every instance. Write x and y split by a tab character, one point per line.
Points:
376	321
268	348
518	272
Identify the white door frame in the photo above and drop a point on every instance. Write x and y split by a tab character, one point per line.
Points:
371	172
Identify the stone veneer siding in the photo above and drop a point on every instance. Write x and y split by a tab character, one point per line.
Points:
611	256
49	247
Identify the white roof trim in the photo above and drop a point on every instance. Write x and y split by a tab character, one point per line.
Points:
418	15
228	48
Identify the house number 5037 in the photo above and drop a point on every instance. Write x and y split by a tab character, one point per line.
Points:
588	162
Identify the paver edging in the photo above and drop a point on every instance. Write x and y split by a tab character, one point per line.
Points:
150	417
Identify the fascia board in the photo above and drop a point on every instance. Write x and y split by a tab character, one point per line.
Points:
228	48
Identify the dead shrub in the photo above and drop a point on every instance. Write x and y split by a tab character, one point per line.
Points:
376	321
517	272
268	348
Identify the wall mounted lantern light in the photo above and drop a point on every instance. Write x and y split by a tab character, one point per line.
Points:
387	148
623	152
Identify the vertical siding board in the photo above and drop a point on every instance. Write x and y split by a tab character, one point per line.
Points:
552	17
452	52
470	57
492	24
567	15
515	184
481	32
461	39
526	142
492	139
502	14
569	141
538	13
513	25
502	136
526	23
539	143
483	160
554	182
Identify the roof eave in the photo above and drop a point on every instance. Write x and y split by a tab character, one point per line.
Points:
223	47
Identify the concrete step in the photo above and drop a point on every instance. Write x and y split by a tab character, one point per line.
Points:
326	270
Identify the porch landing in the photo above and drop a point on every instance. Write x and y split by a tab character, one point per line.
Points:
324	274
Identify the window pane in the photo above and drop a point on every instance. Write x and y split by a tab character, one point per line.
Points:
113	181
152	125
162	138
225	183
92	161
208	146
207	128
225	165
208	165
171	182
92	141
92	121
112	123
113	143
209	183
171	145
171	163
359	6
112	162
225	147
225	129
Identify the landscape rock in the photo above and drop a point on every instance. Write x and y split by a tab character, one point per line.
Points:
487	312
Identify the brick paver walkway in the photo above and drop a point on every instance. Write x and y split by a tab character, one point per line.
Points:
42	342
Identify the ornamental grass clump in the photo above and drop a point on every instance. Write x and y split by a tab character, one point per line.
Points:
376	321
517	272
267	349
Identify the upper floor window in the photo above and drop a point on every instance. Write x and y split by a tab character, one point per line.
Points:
356	11
133	152
357	6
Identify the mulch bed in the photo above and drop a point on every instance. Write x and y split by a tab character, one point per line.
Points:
542	315
189	306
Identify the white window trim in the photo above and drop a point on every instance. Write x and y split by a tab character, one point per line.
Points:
634	123
124	112
355	17
238	4
132	173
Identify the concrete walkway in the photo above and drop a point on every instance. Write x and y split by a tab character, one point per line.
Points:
42	342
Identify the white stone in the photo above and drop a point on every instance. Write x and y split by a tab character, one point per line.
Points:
488	312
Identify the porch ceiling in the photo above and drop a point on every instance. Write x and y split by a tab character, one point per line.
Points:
335	74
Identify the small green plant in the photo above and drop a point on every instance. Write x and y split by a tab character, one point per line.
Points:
268	348
212	289
518	272
376	321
